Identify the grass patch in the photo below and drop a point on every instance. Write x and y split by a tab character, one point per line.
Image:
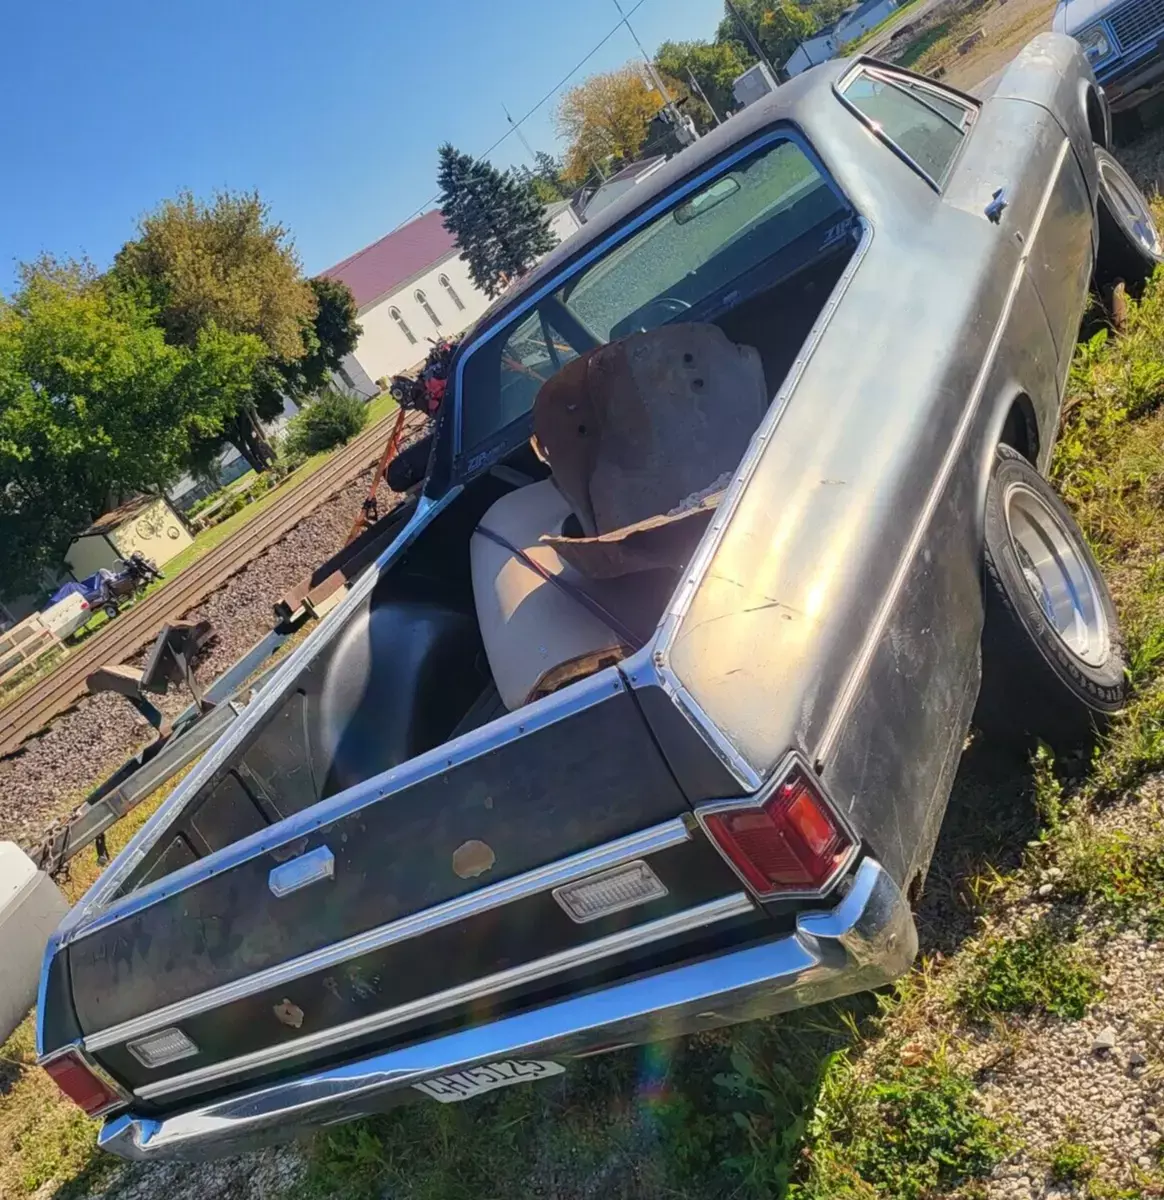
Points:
1120	877
47	1139
907	1132
1071	1162
1037	972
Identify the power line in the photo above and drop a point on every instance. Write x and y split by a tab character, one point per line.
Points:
548	96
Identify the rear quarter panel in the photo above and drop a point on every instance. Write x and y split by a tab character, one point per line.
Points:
841	610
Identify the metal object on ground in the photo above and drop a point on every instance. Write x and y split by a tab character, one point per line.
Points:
139	777
27	714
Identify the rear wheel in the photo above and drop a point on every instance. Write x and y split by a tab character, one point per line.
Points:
1052	662
1129	243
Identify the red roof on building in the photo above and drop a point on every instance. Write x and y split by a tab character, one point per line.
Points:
395	258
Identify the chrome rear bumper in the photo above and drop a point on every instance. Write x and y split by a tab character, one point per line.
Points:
866	940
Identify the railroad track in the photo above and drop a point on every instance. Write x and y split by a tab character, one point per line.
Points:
34	708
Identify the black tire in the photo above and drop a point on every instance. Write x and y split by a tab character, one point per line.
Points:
111	610
1039	683
1130	247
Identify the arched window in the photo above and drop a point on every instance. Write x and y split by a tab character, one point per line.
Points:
394	313
444	282
422	300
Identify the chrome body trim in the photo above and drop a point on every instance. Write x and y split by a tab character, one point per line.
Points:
876	628
749	775
567	870
866	939
734	905
549	711
793	761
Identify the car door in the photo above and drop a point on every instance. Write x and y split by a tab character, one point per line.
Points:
1019	169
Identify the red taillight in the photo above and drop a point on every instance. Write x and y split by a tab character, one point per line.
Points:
80	1084
791	842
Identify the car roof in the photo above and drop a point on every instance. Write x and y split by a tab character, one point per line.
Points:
789	102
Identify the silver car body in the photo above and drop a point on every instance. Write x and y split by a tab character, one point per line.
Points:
832	614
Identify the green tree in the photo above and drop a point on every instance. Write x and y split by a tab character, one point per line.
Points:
544	177
500	225
715	66
604	120
227	264
96	405
779	25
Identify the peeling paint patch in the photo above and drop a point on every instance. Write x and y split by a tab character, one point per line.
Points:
473	858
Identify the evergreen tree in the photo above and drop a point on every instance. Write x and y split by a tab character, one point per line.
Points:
498	221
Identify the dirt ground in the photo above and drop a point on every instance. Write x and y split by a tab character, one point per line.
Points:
1008	26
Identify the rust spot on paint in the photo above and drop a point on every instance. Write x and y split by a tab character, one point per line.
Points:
473	858
289	1014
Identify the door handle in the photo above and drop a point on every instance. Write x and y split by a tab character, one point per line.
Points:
993	210
312	867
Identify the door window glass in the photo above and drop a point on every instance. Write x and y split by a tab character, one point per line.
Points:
926	132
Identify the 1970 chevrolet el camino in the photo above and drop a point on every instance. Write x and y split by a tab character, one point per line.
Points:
646	721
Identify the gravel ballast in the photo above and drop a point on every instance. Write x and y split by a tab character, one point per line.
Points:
50	774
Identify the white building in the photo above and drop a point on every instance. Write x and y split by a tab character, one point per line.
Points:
411	286
619	184
830	42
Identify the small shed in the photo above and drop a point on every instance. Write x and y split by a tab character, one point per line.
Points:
147	524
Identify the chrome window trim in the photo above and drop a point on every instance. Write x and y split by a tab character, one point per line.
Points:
792	761
542	879
749	775
888	77
542	714
783	131
847	695
733	905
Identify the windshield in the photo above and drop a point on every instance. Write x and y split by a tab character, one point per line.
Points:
693	262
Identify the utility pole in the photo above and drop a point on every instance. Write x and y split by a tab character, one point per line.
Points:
682	131
703	96
781	76
517	129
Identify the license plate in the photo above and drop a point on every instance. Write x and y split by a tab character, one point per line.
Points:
463	1085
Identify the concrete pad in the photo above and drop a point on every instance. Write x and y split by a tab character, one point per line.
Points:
31	907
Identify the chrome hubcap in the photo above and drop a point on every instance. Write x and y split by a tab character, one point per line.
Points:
1063	583
1133	211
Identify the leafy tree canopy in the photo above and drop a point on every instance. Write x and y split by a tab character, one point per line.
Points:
605	119
779	25
715	66
226	263
96	405
499	223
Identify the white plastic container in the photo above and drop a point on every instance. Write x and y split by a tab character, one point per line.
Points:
31	907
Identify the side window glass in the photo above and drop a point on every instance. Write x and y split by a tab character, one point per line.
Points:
925	132
950	107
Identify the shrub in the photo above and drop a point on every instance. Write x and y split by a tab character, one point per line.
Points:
331	419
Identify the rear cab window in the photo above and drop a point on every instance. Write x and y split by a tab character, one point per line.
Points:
769	213
924	123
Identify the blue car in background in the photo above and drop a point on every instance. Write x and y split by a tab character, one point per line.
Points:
1124	43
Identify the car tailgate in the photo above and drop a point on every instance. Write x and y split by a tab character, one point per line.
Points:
432	899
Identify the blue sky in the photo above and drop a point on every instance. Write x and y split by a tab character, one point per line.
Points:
333	109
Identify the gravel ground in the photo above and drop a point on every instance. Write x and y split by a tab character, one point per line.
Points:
1098	1081
1063	1084
257	1176
50	774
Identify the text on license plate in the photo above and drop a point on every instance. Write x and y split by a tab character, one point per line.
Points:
461	1085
